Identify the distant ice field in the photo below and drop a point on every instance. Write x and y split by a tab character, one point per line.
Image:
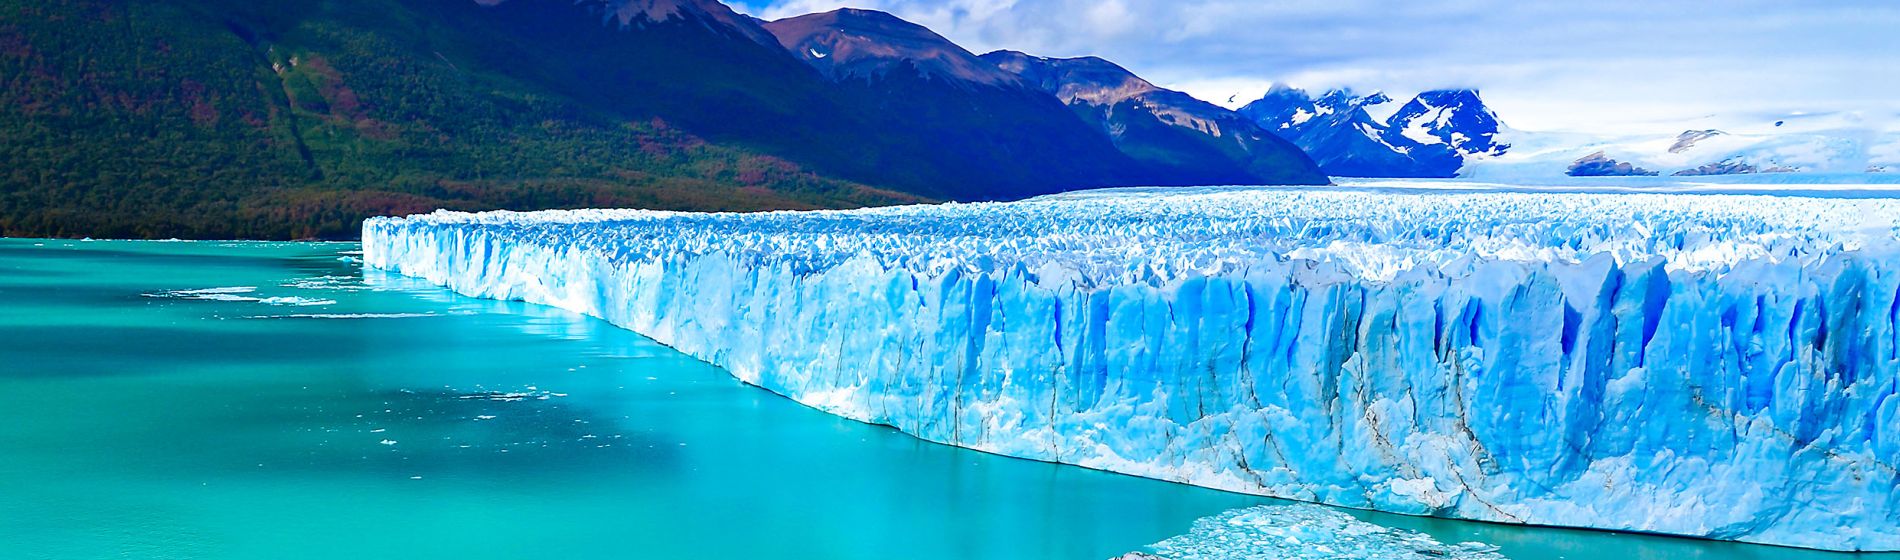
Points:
1370	229
1830	185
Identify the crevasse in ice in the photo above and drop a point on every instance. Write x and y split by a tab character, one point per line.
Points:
1720	366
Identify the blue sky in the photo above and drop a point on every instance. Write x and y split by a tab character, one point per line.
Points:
1603	66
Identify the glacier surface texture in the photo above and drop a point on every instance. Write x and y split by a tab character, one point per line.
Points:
1720	366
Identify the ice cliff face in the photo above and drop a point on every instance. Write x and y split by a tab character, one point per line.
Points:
1708	365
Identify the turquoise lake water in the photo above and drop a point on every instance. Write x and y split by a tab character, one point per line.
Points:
157	408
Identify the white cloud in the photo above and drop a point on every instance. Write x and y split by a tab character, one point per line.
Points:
1609	64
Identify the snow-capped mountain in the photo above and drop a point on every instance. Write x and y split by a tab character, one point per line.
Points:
1194	138
1430	136
868	44
1451	133
1456	118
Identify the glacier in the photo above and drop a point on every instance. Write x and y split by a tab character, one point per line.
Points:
1710	365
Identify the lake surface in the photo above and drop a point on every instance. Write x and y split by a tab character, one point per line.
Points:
268	400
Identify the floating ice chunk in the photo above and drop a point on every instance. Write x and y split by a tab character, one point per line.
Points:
511	396
230	293
238	294
296	301
345	316
341	283
216	291
1303	532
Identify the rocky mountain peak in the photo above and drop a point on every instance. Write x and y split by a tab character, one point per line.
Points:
638	13
863	44
1086	79
1689	138
1456	118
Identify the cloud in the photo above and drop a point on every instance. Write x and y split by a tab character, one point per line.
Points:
1599	65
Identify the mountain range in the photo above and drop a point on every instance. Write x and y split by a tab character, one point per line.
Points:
1190	139
232	118
279	120
1452	133
1432	135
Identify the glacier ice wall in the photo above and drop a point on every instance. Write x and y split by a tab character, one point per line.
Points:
1717	366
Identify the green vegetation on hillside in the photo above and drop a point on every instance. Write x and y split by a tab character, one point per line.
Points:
296	119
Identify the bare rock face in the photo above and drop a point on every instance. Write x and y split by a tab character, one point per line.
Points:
858	44
1732	166
1160	126
1688	139
1024	106
638	13
1600	165
1088	79
1096	82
